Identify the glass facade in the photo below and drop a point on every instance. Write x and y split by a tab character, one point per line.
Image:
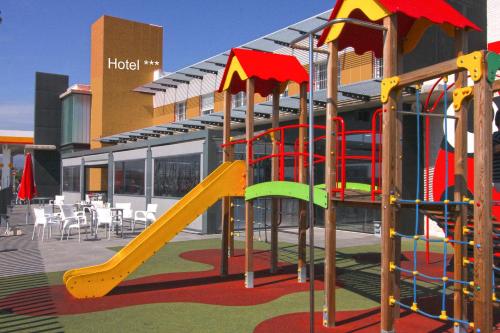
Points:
76	119
177	175
130	177
71	179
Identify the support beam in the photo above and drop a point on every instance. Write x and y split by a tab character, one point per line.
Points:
6	160
427	73
111	175
331	184
389	175
82	179
227	226
302	216
149	175
275	202
460	272
249	213
483	229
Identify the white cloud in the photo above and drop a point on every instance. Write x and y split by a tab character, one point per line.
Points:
16	116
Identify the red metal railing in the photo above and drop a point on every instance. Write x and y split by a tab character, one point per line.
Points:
340	158
376	185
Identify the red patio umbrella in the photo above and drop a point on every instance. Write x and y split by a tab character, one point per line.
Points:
27	187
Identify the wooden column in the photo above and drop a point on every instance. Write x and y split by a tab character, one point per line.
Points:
483	160
275	207
460	251
302	173
330	182
227	209
389	165
249	213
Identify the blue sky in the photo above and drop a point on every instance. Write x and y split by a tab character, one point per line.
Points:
54	36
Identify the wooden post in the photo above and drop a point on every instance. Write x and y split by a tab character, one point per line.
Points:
227	210
389	165
249	213
275	207
302	216
460	251
331	184
483	230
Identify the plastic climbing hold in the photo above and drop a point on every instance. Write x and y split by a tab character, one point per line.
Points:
473	63
387	85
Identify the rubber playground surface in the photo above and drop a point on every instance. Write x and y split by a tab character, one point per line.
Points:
179	290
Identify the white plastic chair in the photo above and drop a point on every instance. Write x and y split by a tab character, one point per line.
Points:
72	220
58	200
104	217
42	220
127	212
145	216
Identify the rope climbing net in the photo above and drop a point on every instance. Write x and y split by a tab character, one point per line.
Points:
446	278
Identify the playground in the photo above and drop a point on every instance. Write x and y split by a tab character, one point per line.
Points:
190	284
408	281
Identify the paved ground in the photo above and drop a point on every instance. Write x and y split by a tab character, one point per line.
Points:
22	255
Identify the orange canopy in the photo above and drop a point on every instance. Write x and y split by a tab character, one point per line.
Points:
268	69
414	18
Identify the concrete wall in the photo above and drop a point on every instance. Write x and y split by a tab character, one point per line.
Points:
71	197
138	202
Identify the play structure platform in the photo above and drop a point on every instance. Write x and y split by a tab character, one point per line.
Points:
96	281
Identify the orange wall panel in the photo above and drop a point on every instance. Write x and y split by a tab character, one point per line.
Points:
119	52
193	107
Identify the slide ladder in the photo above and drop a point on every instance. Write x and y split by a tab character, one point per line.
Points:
96	281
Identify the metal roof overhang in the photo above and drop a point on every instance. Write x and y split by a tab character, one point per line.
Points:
349	95
269	43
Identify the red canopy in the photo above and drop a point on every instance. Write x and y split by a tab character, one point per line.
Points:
414	17
27	188
268	69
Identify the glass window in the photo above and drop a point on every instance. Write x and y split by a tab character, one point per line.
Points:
320	71
75	119
177	175
129	177
377	68
207	104
238	100
180	111
71	179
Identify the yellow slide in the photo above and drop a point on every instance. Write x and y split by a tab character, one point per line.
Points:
96	281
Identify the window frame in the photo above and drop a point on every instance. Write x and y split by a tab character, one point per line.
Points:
238	100
177	113
78	168
143	178
320	75
203	110
200	178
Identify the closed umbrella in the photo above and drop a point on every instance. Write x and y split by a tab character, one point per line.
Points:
27	187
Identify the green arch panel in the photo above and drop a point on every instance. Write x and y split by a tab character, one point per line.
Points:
286	189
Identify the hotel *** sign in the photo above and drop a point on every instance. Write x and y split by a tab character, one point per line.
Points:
130	65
